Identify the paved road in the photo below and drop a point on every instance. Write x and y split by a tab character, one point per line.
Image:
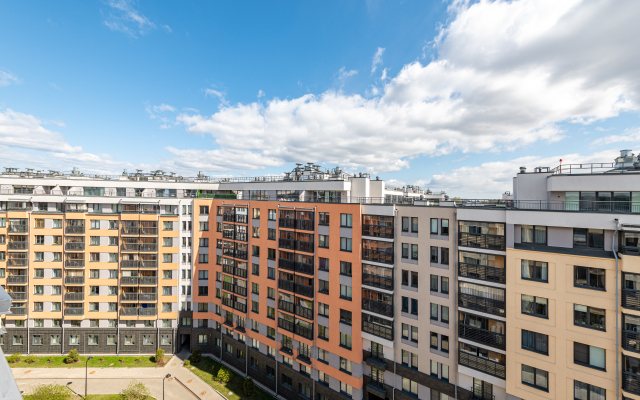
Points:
114	380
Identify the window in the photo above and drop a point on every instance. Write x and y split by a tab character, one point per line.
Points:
38	273
589	317
323	286
536	306
534	341
434	226
405	224
434	340
271	293
584	391
37	306
345	268
345	244
444	314
57	223
444	285
167	225
405	250
271	234
414	251
39	256
409	359
589	278
272	215
204	226
346	220
203	258
38	289
414	224
202	339
323	309
444	255
323	332
255	269
286	381
535	377
255	251
324	219
345	365
323	241
255	232
37	340
535	270
271	273
444	226
593	238
345	292
346	389
345	340
92	340
54	339
345	316
434	254
434	311
39	239
203	290
533	234
74	340
410	386
204	242
591	356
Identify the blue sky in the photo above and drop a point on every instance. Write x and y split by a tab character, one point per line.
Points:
449	95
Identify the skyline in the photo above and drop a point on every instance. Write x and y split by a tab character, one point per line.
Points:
473	91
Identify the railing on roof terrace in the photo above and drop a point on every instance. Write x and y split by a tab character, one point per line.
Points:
589	168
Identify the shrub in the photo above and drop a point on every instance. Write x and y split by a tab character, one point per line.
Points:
196	356
135	391
49	359
30	359
53	391
138	360
102	359
121	360
187	363
72	357
159	356
248	387
14	358
224	375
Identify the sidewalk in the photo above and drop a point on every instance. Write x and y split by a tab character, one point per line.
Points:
114	380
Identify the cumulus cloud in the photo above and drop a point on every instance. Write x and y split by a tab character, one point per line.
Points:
126	19
490	179
629	135
260	93
7	78
506	74
377	59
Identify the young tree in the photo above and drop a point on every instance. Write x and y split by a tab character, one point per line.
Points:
135	391
72	357
248	386
224	375
53	391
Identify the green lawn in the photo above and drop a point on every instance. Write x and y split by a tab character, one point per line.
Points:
58	362
208	368
99	397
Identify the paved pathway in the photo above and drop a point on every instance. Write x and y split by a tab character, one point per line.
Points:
114	380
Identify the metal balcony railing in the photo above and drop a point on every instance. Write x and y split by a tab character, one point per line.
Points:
378	307
304	353
385	257
235	271
17	245
74	246
148	311
73	310
286	324
18	228
18	310
304	268
127	230
74	280
17	262
286	306
482	364
149	264
17	278
74	296
128	311
18	295
382	282
148	247
130	247
377	357
129	296
384	332
234	304
286	346
304	331
631	299
130	263
631	383
482	272
148	280
491	242
75	229
230	287
289	265
304	312
378	231
482	336
631	341
73	263
148	231
482	304
129	280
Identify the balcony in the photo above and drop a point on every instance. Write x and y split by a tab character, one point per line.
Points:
148	311
304	268
289	265
74	280
384	332
17	245
285	324
129	297
304	331
234	304
17	262
148	280
230	287
304	312
129	280
18	310
18	228
377	384
304	354
286	306
149	264
18	295
126	230
482	272
235	271
377	358
73	263
287	223
482	336
17	278
631	341
74	246
130	247
631	299
482	304
74	296
148	231
148	247
378	307
482	364
129	311
631	383
75	229
74	311
385	257
378	231
130	263
378	281
491	242
286	347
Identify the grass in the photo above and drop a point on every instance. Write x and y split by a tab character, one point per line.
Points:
208	368
58	362
98	397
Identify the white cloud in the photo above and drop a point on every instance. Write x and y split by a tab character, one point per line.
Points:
490	179
377	59
220	160
154	111
630	135
260	93
506	74
126	19
216	93
383	77
7	78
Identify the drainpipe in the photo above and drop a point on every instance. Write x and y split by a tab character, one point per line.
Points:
455	299
615	254
395	283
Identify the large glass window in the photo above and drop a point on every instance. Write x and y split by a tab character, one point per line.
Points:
535	341
535	270
590	317
593	238
533	234
535	377
589	355
589	278
584	391
535	306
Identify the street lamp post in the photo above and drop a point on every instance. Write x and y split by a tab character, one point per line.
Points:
86	375
168	376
